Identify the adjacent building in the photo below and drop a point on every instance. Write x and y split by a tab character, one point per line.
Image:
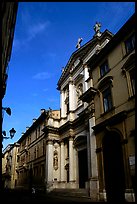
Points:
9	165
112	71
32	169
8	14
89	142
8	17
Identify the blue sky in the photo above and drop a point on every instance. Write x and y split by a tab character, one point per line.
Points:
46	34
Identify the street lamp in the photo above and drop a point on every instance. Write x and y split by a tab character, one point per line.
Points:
12	133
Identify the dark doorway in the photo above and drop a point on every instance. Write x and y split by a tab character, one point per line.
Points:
113	167
83	168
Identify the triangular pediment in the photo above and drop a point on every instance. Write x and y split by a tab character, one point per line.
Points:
77	57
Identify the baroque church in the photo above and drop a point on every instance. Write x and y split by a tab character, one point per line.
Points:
88	143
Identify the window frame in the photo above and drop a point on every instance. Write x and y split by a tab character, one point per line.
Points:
132	80
105	70
106	83
128	67
130	41
107	94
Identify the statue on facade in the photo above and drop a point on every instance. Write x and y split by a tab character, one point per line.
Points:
78	43
79	90
55	160
97	27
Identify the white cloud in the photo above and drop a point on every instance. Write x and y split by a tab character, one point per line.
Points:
36	29
42	76
31	33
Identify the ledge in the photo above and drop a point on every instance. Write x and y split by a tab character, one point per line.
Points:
88	95
110	121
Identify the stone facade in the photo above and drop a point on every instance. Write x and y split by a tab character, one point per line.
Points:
113	74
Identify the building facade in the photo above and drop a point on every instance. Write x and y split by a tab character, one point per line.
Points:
9	164
31	169
113	73
89	142
8	14
8	17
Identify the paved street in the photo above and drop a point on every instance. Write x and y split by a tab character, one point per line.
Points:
15	196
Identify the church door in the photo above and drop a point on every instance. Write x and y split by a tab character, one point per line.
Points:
113	167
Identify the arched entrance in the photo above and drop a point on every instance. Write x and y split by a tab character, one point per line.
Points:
113	167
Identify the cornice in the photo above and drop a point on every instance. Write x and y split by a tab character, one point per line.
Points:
110	121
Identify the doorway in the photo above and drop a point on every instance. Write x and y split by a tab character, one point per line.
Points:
113	167
83	167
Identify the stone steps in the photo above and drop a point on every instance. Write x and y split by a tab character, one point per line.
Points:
77	193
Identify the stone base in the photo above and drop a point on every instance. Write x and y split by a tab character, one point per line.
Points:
49	186
130	195
61	184
94	189
102	196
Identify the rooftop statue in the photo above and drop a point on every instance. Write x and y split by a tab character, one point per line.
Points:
97	29
79	41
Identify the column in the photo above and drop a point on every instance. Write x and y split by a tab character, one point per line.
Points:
62	104
71	96
49	164
86	76
89	154
93	154
62	162
76	166
94	183
71	160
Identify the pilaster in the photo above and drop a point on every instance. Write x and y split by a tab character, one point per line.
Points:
94	183
71	95
62	104
86	76
71	160
62	162
49	164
